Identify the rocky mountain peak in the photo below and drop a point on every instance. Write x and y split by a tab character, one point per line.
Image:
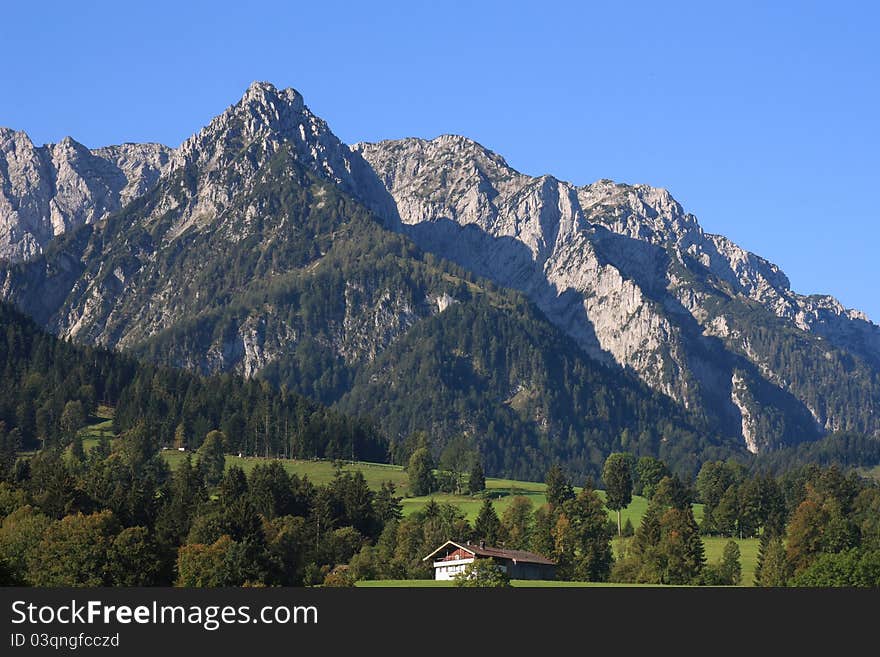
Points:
264	121
263	113
265	94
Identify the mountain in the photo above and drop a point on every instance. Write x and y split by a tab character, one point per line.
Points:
430	285
632	277
52	189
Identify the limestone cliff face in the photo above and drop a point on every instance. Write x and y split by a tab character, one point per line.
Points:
47	190
621	268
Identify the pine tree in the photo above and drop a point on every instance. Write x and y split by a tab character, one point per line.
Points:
617	475
681	547
517	521
773	568
477	479
559	488
76	449
387	504
487	526
180	439
731	568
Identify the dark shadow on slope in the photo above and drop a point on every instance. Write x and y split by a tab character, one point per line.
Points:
509	263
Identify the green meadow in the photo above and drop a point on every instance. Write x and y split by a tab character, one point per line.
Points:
501	491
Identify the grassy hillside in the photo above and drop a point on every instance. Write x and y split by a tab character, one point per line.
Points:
501	490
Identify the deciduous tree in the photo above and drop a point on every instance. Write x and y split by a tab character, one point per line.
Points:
484	573
211	457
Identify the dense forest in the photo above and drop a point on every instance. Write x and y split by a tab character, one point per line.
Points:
50	387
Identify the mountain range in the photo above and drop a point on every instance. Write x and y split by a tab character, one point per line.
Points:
428	284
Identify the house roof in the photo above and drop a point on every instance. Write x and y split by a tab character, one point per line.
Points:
519	556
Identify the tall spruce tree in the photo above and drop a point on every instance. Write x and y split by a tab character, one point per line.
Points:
487	526
617	475
559	488
477	479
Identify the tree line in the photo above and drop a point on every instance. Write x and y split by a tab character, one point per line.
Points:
50	387
817	526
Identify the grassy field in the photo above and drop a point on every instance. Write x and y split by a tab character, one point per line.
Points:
318	472
501	490
100	424
748	548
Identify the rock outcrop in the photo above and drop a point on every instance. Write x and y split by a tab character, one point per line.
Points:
623	269
48	190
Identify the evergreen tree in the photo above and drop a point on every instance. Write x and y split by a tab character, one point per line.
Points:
186	495
617	475
681	547
731	568
559	488
387	503
76	449
233	486
211	457
420	473
180	438
487	526
773	569
517	521
270	490
542	534
477	479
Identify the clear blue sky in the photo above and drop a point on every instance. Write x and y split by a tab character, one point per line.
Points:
762	120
